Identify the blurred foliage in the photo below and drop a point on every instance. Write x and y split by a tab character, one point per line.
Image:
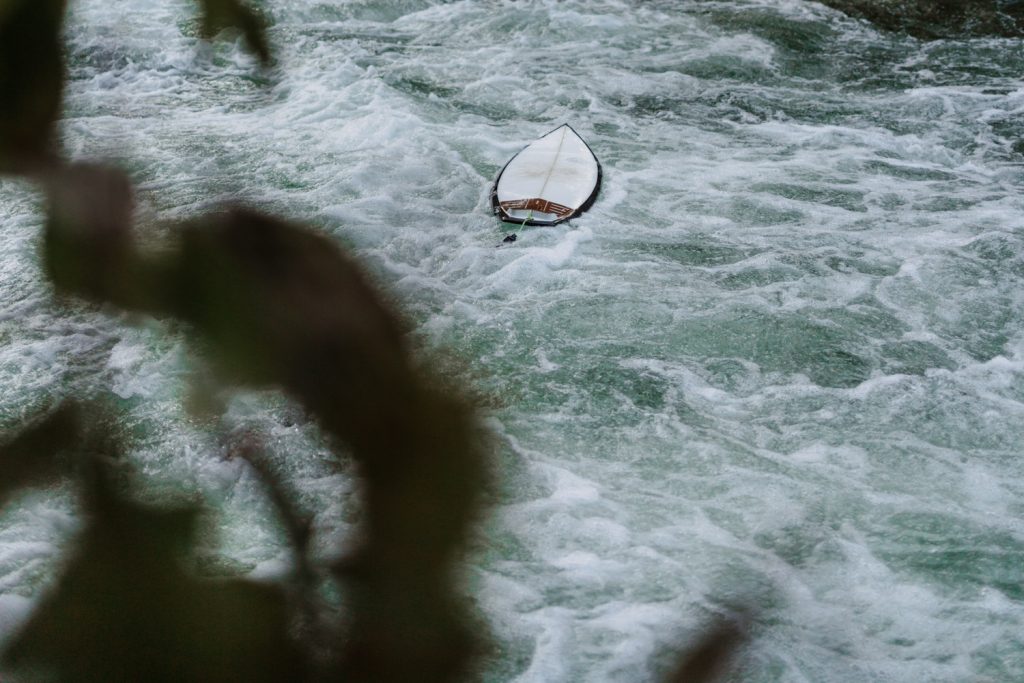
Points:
935	19
37	454
127	609
279	305
273	304
31	81
86	201
710	657
218	15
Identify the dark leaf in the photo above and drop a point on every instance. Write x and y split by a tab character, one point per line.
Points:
38	453
278	304
708	660
935	19
31	81
126	609
87	240
218	15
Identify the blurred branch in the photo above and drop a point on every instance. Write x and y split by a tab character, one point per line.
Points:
296	524
298	527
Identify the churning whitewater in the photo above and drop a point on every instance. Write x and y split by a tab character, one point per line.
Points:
778	365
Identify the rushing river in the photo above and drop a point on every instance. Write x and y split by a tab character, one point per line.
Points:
779	364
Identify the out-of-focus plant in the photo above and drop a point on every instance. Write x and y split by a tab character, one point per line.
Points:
936	19
126	607
710	657
274	304
277	304
218	15
31	81
38	453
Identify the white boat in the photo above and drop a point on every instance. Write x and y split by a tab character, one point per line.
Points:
553	179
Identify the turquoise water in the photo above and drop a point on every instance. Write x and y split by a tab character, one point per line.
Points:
780	363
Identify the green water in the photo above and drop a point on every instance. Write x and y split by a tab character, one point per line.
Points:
778	364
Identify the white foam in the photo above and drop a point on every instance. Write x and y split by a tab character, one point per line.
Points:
14	611
668	368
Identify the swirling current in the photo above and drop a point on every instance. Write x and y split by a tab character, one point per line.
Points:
779	363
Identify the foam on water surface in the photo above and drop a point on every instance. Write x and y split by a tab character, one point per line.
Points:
778	363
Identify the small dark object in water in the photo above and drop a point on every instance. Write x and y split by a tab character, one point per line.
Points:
510	238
